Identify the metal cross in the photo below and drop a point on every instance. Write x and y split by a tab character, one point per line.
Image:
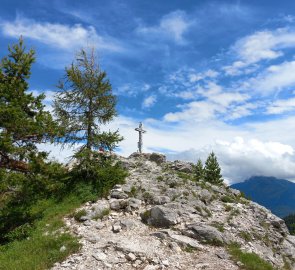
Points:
140	132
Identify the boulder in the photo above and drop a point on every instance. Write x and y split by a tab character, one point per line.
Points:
160	216
118	204
205	233
127	224
205	196
117	194
158	158
161	199
182	166
186	241
134	203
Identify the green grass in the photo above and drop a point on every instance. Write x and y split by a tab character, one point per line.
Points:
185	177
251	261
42	248
246	236
227	199
133	191
218	226
77	215
103	213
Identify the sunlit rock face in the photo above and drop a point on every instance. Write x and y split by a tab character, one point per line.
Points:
162	219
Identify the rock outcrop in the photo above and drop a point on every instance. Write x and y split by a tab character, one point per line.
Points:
161	219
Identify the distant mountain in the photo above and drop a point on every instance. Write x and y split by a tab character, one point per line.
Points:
278	195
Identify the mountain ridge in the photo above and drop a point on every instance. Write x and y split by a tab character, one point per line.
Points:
276	194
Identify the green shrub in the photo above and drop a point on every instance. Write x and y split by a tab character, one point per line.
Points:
227	199
251	261
160	178
103	213
77	215
227	207
134	191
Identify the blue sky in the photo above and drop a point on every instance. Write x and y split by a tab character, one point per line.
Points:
201	75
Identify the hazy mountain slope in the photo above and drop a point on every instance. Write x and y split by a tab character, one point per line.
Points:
278	195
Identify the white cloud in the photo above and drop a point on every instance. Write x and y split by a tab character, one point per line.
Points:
281	106
59	35
149	101
215	102
210	73
172	26
48	100
241	159
278	77
196	111
272	79
262	45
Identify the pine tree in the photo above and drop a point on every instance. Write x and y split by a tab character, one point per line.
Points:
199	171
23	122
212	171
85	103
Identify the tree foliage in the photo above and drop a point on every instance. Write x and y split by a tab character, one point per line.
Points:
85	103
290	222
212	171
23	122
199	170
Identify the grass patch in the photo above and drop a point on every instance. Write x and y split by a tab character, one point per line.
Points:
42	248
246	236
77	215
207	211
227	207
35	241
251	261
218	226
103	213
147	196
160	178
185	177
233	213
133	191
189	249
227	199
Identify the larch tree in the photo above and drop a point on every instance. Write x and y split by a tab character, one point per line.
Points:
84	104
23	121
212	171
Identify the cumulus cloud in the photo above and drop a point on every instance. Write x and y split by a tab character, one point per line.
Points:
149	101
59	35
241	159
172	26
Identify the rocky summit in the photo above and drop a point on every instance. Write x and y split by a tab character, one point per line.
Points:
162	219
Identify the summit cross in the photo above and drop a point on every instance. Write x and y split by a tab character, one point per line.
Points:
140	132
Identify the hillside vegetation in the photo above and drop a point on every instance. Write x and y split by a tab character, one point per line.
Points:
36	193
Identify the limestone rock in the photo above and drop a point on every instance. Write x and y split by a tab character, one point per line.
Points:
158	158
116	194
160	216
186	241
205	233
198	223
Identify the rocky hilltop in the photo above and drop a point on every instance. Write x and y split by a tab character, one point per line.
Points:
160	219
